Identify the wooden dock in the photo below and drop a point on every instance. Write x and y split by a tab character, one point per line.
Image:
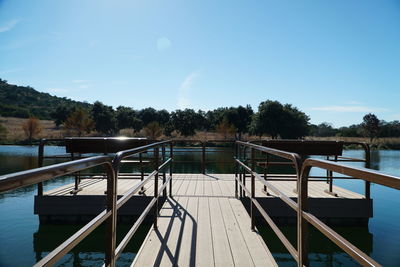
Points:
59	205
203	223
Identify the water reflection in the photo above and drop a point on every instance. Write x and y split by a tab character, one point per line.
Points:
21	229
322	251
375	159
90	252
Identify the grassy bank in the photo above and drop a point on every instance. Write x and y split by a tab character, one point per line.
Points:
15	135
377	143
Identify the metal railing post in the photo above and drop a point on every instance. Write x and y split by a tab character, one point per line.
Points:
367	165
111	231
40	164
156	151
171	155
252	208
265	172
203	158
244	172
236	169
163	175
302	225
141	170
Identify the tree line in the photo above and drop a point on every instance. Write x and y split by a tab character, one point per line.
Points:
272	118
370	127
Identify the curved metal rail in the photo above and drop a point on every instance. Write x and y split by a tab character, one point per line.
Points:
38	175
301	207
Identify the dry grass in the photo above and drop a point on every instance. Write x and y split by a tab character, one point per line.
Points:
15	132
384	142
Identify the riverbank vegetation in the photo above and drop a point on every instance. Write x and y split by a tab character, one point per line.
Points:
29	115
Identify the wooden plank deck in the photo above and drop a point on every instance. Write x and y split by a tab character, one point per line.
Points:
98	187
203	225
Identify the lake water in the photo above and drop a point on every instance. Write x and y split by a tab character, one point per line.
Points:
23	240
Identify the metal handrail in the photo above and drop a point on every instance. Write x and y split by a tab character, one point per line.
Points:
34	176
38	175
294	159
301	207
361	173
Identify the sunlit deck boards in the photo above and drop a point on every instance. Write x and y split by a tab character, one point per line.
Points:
58	205
98	187
203	225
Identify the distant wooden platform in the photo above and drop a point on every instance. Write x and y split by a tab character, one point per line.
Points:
58	205
99	186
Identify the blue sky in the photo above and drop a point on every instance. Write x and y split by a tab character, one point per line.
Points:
334	60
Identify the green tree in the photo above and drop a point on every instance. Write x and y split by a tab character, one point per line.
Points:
184	121
389	129
295	124
240	118
80	122
148	115
163	117
323	130
61	113
275	119
371	125
104	118
127	118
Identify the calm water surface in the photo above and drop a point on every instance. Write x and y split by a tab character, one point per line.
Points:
23	241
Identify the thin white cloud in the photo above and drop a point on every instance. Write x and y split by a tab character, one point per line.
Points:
348	109
163	43
184	90
8	25
83	86
79	81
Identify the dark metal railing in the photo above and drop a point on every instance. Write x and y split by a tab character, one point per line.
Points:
301	207
240	180
112	165
266	162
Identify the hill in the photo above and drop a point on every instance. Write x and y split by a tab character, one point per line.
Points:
24	101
